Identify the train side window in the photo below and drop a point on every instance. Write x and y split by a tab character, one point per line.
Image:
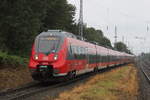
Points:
75	52
80	48
84	53
78	52
81	56
87	51
75	49
70	49
81	52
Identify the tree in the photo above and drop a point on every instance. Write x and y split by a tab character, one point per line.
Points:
22	20
60	15
121	47
97	35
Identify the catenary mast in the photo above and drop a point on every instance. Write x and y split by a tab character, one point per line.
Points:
81	19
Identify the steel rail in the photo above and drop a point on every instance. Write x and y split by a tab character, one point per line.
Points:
21	88
27	92
145	74
21	94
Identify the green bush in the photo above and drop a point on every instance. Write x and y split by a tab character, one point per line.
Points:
12	60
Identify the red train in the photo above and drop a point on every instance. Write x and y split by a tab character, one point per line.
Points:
58	54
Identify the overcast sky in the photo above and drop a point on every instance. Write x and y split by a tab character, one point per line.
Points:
130	16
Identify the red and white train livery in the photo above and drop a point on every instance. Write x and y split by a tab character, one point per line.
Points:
57	53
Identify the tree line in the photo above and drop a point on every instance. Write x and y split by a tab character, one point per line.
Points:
22	20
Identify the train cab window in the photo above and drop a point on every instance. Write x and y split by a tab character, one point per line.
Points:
47	44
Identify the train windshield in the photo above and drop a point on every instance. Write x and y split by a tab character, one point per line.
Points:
47	44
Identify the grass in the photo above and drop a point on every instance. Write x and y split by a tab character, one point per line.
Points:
13	71
14	77
11	60
118	84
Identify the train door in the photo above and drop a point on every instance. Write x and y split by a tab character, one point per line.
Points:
72	56
96	57
108	58
87	56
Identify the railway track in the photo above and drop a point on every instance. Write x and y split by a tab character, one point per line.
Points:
10	94
22	93
145	69
25	92
144	78
29	91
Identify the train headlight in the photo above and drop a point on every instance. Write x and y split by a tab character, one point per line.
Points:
36	57
55	57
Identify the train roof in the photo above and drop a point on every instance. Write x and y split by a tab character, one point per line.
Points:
57	33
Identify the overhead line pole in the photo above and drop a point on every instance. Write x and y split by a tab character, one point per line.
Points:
123	39
81	19
115	35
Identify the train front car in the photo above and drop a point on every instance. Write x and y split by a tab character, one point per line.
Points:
48	56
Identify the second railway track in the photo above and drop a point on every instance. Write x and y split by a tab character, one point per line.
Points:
146	73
